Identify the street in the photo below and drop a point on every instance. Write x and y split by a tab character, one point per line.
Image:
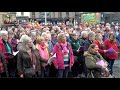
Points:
116	69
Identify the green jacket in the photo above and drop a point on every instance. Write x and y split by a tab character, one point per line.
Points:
75	44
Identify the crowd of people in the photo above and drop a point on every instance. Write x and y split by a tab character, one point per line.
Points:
78	48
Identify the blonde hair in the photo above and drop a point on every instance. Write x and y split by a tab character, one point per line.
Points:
39	39
97	37
60	35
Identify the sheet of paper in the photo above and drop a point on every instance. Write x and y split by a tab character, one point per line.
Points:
15	53
52	58
101	63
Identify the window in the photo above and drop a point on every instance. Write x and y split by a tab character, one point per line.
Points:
67	14
33	14
59	14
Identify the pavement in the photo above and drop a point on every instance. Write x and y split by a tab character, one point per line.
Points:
116	68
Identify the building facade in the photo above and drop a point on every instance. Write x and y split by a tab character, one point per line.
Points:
52	14
8	16
108	17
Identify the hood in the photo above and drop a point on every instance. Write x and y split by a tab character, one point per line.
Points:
87	53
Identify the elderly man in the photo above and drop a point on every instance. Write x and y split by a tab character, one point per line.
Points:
89	41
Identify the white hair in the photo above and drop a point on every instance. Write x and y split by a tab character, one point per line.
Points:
33	33
24	43
84	32
3	32
44	33
21	29
25	38
48	32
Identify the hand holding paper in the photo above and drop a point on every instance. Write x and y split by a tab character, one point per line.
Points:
15	53
101	63
51	58
110	51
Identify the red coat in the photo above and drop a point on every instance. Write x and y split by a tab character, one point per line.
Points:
2	46
99	46
114	45
3	49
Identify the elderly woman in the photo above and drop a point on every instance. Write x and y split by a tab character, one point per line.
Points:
13	41
33	35
64	56
6	49
28	59
4	44
54	38
92	56
45	54
83	35
89	41
48	41
78	66
111	43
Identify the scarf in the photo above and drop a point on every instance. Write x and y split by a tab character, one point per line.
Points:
43	51
64	47
34	62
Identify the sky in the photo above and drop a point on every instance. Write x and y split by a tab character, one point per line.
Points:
25	14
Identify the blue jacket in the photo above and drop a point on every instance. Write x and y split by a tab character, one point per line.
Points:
50	46
87	44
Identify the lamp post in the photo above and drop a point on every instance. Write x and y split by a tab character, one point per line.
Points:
45	18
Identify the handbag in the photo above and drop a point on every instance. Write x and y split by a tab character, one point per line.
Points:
29	71
1	67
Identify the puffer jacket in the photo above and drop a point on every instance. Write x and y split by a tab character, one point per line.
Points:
91	61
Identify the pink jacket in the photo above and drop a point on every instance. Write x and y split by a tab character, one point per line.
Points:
59	60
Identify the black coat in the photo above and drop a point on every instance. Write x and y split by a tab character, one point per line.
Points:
24	61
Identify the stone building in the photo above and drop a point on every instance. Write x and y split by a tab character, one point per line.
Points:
7	16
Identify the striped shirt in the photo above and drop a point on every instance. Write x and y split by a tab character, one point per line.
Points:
66	59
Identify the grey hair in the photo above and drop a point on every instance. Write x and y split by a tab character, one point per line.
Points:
10	32
33	33
24	38
24	43
91	34
83	32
